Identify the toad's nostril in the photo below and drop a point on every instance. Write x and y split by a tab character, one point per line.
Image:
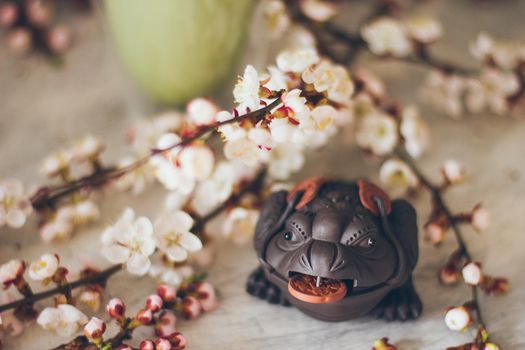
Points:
322	256
337	265
303	260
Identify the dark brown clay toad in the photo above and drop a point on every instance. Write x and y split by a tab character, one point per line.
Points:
337	251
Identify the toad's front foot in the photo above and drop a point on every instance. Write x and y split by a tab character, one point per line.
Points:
258	286
400	304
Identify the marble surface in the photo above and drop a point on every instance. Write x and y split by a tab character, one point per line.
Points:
42	108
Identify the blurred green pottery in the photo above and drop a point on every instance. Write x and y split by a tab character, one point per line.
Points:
178	49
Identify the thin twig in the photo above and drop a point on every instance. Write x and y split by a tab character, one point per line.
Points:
439	202
47	196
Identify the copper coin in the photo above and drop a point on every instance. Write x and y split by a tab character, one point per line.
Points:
304	288
369	191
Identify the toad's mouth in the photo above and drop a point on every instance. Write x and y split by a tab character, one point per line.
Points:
317	289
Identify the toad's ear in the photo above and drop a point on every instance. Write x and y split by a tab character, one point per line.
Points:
271	213
403	221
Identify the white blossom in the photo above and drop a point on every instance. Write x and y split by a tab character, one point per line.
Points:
56	163
330	78
472	274
95	328
276	18
246	91
249	146
276	80
65	320
216	189
201	111
444	92
43	268
505	54
378	133
130	241
453	172
480	218
11	271
491	91
135	180
414	131
60	226
14	204
173	236
319	10
169	275
458	318
239	225
285	159
371	82
387	36
424	29
85	211
396	174
145	134
88	148
297	60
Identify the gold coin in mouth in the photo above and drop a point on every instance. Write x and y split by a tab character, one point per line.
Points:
311	289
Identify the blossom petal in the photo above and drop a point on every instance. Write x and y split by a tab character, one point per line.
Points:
182	220
143	227
176	253
116	254
190	242
15	218
138	264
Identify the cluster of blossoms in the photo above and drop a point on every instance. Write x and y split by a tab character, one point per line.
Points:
14	203
498	87
59	223
30	23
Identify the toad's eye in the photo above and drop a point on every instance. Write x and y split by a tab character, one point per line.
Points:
288	236
371	242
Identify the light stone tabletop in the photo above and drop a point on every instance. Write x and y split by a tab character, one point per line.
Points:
41	108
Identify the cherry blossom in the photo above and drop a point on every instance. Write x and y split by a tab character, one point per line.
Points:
491	91
396	174
444	92
319	10
87	148
135	180
453	172
284	160
201	111
239	224
387	36
95	328
378	133
60	226
505	54
65	320
11	271
14	204
91	298
424	29
246	91
276	19
44	268
297	60
248	146
472	274
458	318
145	134
116	308
371	83
330	78
480	218
214	190
130	242
414	131
85	211
173	236
57	163
275	79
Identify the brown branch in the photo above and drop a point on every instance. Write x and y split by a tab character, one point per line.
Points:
438	200
47	196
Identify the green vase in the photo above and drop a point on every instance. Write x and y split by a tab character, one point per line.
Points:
178	49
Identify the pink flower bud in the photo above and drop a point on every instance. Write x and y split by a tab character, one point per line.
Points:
124	347
163	344
147	345
19	40
165	324
472	273
39	12
458	318
434	232
178	341
448	274
145	316
95	328
453	172
91	298
154	303
167	292
59	39
116	308
8	14
480	218
191	307
11	271
206	296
